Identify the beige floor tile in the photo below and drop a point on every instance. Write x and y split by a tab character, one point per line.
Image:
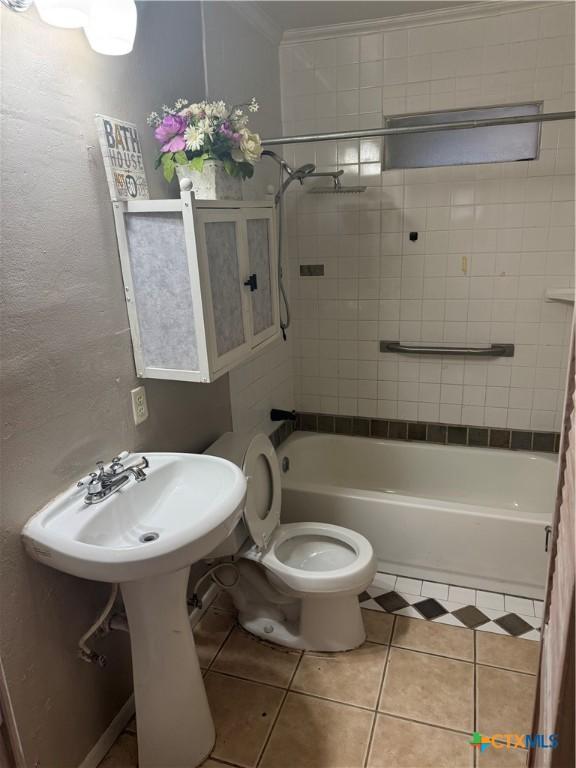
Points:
378	626
352	677
311	733
419	635
214	764
403	744
243	715
209	634
245	656
502	758
430	689
507	652
123	753
505	700
224	602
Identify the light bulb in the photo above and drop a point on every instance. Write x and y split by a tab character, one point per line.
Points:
64	13
111	27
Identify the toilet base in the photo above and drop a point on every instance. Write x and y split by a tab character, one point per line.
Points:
325	624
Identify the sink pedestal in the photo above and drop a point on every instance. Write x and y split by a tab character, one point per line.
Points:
175	726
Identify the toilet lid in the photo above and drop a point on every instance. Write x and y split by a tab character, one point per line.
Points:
263	496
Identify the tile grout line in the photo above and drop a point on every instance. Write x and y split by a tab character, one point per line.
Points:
380	689
222	644
423	722
275	721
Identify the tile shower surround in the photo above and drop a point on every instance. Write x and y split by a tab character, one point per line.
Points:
492	237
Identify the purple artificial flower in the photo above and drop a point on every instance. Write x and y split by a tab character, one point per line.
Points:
227	131
171	132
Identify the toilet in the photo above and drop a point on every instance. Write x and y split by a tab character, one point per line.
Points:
296	584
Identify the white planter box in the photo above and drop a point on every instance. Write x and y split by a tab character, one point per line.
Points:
213	183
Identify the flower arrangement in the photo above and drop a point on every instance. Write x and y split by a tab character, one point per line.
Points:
190	134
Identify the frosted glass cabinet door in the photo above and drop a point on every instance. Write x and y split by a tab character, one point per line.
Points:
221	256
263	268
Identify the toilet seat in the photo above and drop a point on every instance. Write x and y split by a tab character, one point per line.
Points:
264	492
328	559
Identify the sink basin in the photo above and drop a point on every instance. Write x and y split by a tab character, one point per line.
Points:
145	537
186	506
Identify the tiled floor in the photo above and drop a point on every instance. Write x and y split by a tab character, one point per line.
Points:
461	607
410	697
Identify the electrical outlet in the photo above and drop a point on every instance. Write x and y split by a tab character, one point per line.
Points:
139	405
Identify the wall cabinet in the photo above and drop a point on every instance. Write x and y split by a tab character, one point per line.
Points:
201	283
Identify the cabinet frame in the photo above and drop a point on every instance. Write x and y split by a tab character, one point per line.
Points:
193	213
258	214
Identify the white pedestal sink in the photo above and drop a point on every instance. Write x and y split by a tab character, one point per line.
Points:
145	537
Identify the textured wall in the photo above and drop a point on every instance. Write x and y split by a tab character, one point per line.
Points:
67	364
240	63
492	237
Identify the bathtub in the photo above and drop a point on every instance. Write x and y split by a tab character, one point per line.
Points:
473	517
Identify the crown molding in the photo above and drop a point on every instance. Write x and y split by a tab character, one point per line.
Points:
471	10
258	19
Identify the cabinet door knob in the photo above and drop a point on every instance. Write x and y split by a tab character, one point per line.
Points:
252	283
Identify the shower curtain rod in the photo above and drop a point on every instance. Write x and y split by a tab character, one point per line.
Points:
376	132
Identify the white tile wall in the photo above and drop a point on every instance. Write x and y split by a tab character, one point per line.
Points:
491	239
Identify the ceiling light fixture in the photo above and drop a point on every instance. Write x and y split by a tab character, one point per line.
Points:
69	14
17	5
111	26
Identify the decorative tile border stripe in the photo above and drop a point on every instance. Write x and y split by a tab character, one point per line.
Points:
386	594
282	433
311	270
443	434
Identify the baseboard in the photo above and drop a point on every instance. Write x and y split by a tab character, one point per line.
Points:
121	720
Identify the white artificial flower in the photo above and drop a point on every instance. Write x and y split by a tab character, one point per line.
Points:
206	126
153	118
253	106
250	148
181	103
216	109
194	138
239	120
194	110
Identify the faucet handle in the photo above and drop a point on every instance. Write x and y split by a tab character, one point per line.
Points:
84	481
116	464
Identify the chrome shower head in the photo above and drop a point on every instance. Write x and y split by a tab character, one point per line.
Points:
302	172
336	187
297	174
279	160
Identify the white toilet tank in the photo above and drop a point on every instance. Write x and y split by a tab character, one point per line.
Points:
230	446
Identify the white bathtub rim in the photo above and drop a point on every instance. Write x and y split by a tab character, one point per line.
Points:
421	502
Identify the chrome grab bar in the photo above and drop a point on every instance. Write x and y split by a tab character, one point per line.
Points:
494	350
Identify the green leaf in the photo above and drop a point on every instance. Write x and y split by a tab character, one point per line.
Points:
158	162
197	163
246	170
180	158
168	166
231	167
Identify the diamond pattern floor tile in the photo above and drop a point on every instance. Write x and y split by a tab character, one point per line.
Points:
513	624
471	616
391	601
430	608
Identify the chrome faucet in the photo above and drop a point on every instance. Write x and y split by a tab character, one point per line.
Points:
107	480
